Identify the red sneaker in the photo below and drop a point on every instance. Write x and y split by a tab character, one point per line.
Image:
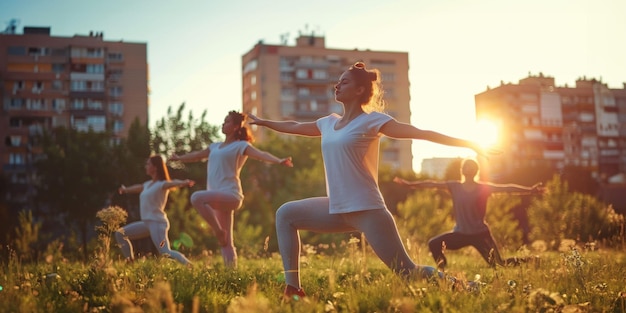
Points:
293	293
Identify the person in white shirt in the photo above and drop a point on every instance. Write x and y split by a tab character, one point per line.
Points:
152	200
350	149
469	202
224	194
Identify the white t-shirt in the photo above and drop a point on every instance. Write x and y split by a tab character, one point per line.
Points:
351	162
152	200
224	166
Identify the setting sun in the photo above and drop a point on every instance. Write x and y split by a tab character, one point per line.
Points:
486	133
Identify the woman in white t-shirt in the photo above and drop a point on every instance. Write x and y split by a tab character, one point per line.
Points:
350	148
152	200
224	195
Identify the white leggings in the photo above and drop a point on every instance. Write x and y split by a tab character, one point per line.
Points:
312	214
218	209
157	231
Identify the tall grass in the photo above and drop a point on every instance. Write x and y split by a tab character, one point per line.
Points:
575	279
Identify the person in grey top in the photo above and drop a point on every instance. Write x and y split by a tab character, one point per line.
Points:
469	202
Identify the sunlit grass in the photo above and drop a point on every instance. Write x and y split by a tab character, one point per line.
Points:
588	280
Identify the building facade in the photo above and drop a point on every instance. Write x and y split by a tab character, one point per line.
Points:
557	126
82	82
284	82
436	167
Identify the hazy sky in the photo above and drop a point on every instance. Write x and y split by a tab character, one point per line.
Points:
456	47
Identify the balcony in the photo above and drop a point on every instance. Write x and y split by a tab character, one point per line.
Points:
91	94
14	168
314	81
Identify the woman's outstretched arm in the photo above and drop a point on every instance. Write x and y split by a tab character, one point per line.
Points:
289	127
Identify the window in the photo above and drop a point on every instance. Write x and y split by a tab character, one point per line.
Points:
16	103
15	140
78	104
95	68
115	74
303	91
586	117
376	63
94	53
252	80
118	126
17	50
302	73
314	107
57	85
115	56
530	108
37	87
115	91
37	51
286	76
97	123
250	66
16	158
94	105
532	134
306	59
253	95
78	85
303	106
116	108
320	74
80	124
388	77
96	86
18	85
287	92
58	104
58	68
35	104
287	108
528	97
286	62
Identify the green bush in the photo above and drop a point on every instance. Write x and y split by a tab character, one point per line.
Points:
425	213
561	214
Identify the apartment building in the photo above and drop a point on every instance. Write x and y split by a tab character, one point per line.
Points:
285	82
83	82
557	126
436	168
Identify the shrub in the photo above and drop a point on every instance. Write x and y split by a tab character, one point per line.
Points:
561	215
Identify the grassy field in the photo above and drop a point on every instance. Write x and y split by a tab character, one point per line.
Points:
575	279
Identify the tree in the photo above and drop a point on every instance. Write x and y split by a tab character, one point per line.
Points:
173	135
561	214
76	174
131	155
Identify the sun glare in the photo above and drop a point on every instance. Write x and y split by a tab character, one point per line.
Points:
486	133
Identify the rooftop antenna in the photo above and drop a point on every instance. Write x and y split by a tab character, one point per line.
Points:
12	27
284	38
